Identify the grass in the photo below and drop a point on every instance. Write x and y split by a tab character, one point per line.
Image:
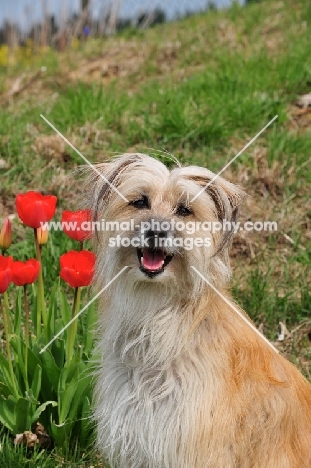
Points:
200	88
31	458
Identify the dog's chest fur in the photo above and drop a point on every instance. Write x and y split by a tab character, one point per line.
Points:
154	395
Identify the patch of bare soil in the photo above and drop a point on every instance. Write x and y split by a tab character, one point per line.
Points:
265	201
23	82
295	345
50	146
118	61
227	34
7	208
126	59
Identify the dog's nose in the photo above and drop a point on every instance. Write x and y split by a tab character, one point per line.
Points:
150	234
154	236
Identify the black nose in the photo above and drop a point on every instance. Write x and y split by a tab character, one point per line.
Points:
153	238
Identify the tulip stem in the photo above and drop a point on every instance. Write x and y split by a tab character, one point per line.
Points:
41	309
5	313
26	335
74	325
7	307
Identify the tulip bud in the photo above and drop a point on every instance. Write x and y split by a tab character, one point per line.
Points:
6	235
43	235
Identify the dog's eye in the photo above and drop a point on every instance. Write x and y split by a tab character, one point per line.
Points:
141	203
183	211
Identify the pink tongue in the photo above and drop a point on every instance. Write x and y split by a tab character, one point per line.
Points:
152	259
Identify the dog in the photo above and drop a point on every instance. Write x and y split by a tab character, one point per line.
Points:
183	380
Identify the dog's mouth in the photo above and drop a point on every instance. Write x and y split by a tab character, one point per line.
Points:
153	261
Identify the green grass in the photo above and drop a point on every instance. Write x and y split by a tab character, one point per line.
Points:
272	308
205	86
31	458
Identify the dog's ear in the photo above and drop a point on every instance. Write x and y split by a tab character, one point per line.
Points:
227	198
110	174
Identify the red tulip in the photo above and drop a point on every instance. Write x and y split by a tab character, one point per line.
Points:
33	208
6	235
25	272
77	224
77	268
5	272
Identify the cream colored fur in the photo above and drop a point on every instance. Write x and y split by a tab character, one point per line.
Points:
183	382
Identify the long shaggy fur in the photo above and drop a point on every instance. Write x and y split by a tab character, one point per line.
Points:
183	382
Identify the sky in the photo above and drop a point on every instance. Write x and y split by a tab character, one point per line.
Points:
24	12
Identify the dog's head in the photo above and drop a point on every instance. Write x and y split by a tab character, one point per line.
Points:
159	223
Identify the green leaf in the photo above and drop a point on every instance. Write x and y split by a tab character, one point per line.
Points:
22	413
64	307
52	371
89	325
34	360
72	383
53	307
83	385
4	391
86	422
61	432
29	396
36	381
7	413
19	347
7	379
58	351
40	409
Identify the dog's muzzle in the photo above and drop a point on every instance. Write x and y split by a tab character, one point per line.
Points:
154	255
